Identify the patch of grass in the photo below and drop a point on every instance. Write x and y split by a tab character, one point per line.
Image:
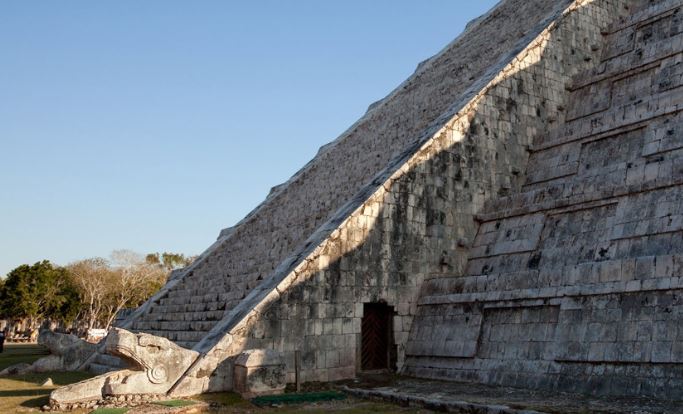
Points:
299	398
110	411
23	393
18	353
175	403
228	399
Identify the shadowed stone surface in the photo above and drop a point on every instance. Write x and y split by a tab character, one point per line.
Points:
573	283
259	372
482	399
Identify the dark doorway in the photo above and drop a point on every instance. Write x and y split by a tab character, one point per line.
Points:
377	350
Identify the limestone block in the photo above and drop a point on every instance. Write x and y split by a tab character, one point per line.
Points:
259	372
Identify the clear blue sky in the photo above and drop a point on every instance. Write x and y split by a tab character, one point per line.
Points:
150	125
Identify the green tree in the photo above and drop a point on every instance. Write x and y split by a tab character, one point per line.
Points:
37	292
153	259
168	260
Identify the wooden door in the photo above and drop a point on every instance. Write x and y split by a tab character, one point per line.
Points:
376	336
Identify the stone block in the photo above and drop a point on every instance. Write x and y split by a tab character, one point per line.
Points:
259	372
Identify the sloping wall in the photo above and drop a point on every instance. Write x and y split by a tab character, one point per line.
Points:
246	255
416	220
574	283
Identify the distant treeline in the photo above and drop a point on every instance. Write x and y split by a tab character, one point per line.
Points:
87	293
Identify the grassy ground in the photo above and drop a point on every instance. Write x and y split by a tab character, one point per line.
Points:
21	394
17	353
24	393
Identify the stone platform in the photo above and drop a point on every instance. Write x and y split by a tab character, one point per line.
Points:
457	397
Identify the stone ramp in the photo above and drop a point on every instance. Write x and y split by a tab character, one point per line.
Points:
575	282
281	227
458	397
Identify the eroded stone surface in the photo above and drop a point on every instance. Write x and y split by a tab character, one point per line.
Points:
67	353
156	362
259	372
162	363
590	301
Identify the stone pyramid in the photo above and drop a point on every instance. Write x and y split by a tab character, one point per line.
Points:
510	214
573	282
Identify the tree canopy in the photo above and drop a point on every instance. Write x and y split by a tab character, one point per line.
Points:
40	291
91	291
169	260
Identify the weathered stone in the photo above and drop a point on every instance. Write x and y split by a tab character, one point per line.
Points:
259	372
156	362
586	300
162	363
16	369
67	353
83	391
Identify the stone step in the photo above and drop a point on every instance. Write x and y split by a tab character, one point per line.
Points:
644	15
181	299
183	336
157	313
572	195
171	317
615	160
545	293
623	65
192	287
190	326
199	301
633	114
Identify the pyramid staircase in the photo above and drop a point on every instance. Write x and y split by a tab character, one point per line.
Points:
244	256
